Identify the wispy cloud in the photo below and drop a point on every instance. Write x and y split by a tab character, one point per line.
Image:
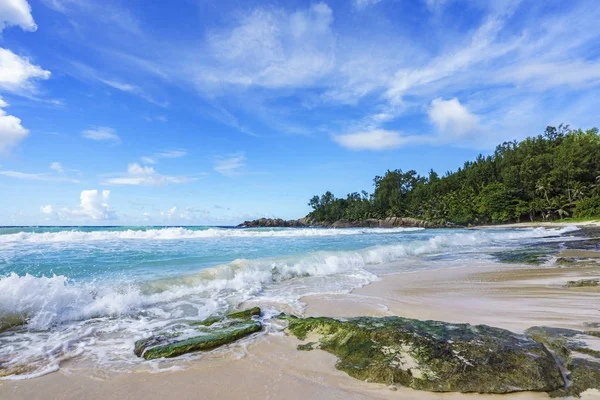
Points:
42	177
230	164
138	175
153	159
101	133
377	139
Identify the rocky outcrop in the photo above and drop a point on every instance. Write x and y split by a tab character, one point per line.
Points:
272	223
210	333
391	222
434	356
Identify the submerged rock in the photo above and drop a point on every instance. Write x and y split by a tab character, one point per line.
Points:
211	333
434	356
570	348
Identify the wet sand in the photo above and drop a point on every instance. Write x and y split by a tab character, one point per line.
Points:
269	366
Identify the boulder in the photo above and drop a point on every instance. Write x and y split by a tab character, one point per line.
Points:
571	349
207	334
434	356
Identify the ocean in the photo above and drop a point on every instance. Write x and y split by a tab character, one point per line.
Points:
84	295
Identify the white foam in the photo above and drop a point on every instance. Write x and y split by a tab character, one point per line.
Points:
184	233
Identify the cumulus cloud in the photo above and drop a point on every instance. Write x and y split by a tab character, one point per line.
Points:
272	48
47	209
377	139
138	175
11	130
451	117
93	204
101	133
18	74
56	166
16	13
231	164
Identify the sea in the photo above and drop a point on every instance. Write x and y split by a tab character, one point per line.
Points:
83	295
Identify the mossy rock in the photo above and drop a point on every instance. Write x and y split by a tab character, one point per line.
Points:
10	321
583	283
434	356
212	332
570	349
243	315
170	347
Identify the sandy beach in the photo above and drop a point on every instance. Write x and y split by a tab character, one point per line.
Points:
268	366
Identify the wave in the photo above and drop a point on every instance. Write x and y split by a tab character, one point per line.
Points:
62	318
184	233
45	301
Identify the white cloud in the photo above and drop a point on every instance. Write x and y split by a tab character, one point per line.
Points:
18	74
16	13
362	4
107	13
272	48
230	165
37	177
138	175
56	166
11	130
93	204
153	159
101	133
451	117
377	139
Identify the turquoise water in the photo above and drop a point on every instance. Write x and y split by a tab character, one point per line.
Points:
89	293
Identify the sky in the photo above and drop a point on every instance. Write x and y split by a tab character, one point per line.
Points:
211	112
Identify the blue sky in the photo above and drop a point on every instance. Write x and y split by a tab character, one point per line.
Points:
212	112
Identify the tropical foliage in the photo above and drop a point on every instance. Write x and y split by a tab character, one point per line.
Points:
546	177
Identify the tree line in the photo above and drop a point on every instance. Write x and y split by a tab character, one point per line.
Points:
550	176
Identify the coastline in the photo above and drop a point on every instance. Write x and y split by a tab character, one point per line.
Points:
514	297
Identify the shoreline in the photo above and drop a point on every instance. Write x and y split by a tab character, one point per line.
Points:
511	296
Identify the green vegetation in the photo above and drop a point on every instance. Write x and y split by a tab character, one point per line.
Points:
551	176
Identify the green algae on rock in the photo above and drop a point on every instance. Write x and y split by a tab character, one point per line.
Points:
206	341
583	283
212	332
245	314
570	349
434	356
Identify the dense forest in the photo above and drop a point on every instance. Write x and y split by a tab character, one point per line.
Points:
551	176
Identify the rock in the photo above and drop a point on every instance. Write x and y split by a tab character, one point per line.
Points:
10	321
211	333
245	315
208	341
583	283
390	222
272	223
434	356
571	350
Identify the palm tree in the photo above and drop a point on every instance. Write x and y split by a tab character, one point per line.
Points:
543	186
